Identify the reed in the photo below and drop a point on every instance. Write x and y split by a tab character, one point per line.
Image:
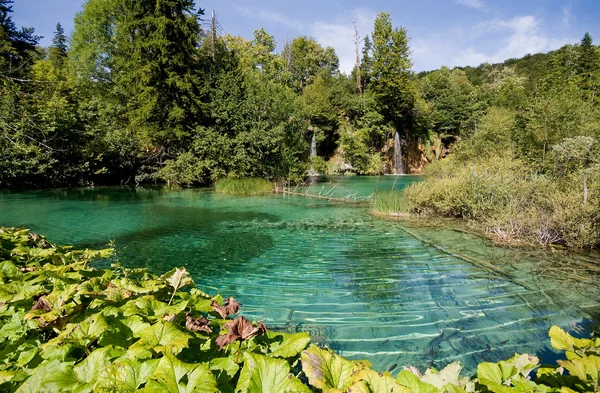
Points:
247	186
390	202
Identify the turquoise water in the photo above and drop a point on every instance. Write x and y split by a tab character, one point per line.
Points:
361	285
353	187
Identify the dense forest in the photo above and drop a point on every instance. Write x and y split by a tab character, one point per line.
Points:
151	92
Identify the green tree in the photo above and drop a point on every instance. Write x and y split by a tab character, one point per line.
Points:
392	79
589	67
578	154
57	53
17	45
305	59
450	95
366	63
148	51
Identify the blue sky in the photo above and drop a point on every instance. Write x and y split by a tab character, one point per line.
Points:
443	32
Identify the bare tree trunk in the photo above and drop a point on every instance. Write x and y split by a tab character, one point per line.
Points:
357	45
585	189
213	34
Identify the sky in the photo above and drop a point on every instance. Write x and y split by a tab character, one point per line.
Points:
442	32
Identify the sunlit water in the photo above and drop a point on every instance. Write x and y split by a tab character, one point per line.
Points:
361	285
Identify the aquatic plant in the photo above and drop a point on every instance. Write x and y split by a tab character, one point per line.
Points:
66	326
390	202
247	186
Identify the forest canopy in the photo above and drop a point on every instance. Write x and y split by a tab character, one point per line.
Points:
152	92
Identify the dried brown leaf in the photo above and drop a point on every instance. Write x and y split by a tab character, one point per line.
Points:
240	329
42	304
197	324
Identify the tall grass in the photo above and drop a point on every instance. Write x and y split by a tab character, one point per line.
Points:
248	186
390	203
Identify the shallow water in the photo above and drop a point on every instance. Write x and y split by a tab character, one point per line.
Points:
361	285
353	187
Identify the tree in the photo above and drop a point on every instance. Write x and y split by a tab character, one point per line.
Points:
366	63
17	45
57	54
306	59
144	56
450	95
589	67
392	79
578	154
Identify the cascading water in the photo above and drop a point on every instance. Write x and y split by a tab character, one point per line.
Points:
398	162
313	153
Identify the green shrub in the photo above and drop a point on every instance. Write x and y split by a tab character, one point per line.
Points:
512	204
317	164
248	186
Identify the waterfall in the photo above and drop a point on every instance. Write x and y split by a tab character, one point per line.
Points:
398	162
313	146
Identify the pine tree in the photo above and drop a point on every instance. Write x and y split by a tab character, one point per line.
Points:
57	53
589	66
392	79
147	53
366	63
16	46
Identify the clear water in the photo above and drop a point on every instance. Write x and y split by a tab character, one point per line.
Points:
353	187
361	285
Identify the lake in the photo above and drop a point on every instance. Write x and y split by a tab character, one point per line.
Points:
366	287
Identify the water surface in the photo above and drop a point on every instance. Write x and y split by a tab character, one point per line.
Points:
361	285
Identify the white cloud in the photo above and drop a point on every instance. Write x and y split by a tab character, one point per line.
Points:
567	16
477	4
340	34
271	17
492	41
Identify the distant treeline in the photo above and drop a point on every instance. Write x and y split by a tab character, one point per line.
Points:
154	92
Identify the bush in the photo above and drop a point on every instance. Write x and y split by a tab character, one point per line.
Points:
510	203
249	186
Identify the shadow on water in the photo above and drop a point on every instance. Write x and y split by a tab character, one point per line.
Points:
172	236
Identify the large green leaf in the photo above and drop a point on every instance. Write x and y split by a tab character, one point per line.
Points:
575	347
490	375
50	377
8	270
14	329
376	383
412	381
85	332
126	375
89	370
586	369
163	337
264	374
148	306
174	376
287	345
326	370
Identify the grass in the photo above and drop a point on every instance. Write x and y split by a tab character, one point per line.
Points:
248	186
390	203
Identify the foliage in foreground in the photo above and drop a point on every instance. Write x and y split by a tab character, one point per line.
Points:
249	186
68	327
